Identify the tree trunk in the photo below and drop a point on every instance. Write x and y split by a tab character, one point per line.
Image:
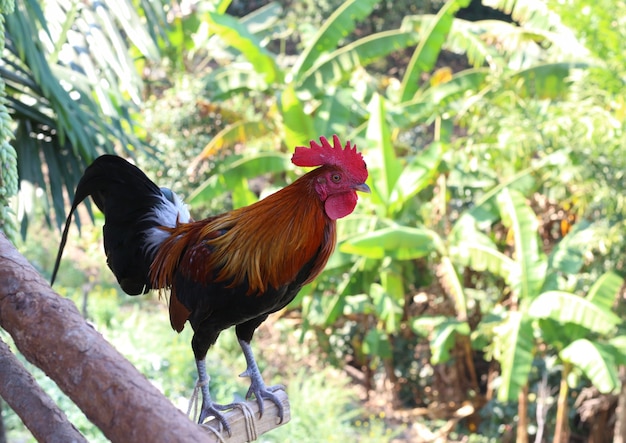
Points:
27	399
619	434
561	433
50	332
522	414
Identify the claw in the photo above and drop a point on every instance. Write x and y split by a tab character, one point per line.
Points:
262	393
209	408
257	385
215	410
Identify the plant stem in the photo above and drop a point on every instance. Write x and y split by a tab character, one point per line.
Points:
522	413
561	432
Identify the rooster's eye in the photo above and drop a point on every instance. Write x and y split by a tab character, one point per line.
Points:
336	178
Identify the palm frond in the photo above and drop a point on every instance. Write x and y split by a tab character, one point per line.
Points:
72	90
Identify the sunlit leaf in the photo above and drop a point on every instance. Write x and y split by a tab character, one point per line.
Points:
240	132
336	27
416	176
519	217
514	348
238	36
401	243
230	175
340	64
596	361
297	124
474	249
385	167
426	53
565	307
545	81
444	339
604	291
568	255
376	343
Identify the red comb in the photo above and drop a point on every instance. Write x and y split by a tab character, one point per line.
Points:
347	158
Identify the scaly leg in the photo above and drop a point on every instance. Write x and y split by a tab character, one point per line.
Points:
209	408
257	385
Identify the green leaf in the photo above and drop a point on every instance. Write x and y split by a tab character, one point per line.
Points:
230	175
619	343
335	113
568	255
467	37
424	325
241	193
472	248
298	125
545	81
444	339
392	304
427	52
376	343
336	27
387	307
233	79
605	290
239	132
263	18
385	167
452	284
400	243
596	361
514	347
565	307
439	99
532	263
557	334
239	37
340	64
415	176
135	29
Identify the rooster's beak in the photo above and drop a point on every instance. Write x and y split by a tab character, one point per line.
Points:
363	188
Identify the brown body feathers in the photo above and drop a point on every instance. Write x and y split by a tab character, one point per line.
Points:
260	246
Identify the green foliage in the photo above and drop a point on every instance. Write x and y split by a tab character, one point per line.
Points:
427	52
71	104
320	72
495	225
8	157
324	397
140	331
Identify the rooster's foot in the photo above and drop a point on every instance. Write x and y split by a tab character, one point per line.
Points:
262	392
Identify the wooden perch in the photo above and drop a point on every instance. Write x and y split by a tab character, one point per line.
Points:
245	422
50	332
26	398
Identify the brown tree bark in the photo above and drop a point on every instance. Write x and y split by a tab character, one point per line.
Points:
619	434
50	332
26	398
522	413
561	427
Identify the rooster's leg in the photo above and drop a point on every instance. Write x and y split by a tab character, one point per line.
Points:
209	408
257	385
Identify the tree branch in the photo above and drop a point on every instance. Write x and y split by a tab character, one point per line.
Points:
50	332
22	393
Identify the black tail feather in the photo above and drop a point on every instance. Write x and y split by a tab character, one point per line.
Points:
127	197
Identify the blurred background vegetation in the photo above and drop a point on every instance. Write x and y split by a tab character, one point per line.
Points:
476	295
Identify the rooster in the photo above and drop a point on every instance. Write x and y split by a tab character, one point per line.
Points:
232	269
